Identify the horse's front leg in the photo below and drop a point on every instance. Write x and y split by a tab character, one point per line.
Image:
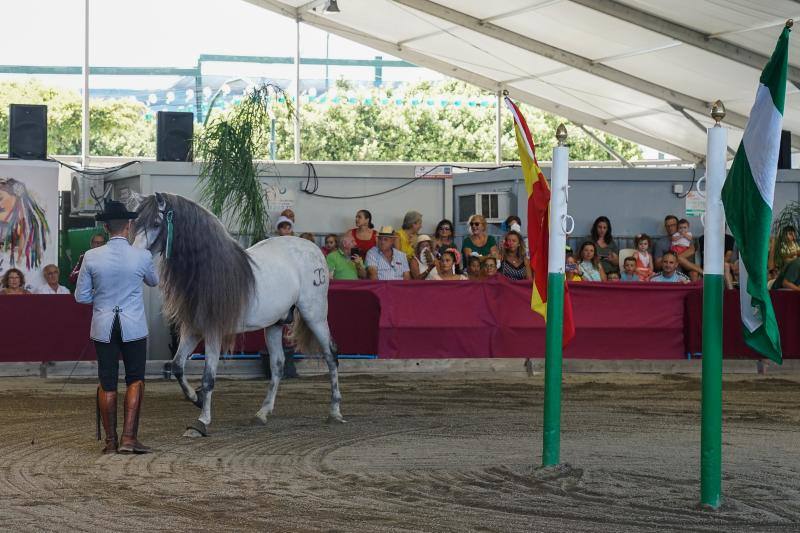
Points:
274	338
187	344
200	427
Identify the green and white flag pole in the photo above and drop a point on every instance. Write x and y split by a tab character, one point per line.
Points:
554	332
713	285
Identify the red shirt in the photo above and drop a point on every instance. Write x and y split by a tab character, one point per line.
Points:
363	246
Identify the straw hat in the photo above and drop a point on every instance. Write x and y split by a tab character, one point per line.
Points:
386	231
423	238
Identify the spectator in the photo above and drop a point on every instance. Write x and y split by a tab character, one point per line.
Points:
446	267
13	282
612	276
478	241
288	213
515	263
787	248
643	258
589	265
571	270
51	286
789	278
364	233
731	274
331	243
443	237
473	268
307	235
423	262
669	270
407	236
384	261
97	240
488	267
344	262
605	245
284	226
663	245
681	239
629	270
513	223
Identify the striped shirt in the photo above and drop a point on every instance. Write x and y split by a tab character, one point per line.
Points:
676	277
388	271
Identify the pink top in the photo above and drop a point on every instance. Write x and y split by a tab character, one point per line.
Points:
644	265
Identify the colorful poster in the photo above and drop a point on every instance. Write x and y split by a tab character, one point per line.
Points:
28	218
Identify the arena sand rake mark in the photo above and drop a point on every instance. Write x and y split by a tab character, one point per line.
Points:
215	290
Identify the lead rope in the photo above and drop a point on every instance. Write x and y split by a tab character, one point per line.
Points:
170	233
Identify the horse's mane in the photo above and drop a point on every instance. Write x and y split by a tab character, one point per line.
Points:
208	279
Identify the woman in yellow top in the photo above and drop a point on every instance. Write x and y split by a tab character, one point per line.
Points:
407	236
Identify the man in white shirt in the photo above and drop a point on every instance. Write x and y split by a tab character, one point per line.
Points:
51	286
384	261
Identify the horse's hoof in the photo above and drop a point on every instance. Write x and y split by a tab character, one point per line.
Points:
196	429
258	421
336	419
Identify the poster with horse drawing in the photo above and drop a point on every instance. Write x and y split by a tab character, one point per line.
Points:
28	217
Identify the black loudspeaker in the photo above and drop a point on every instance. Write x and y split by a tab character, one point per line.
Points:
27	131
785	153
174	136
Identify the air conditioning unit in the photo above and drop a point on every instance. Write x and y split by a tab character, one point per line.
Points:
85	193
494	206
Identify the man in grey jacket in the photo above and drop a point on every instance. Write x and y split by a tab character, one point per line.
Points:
111	280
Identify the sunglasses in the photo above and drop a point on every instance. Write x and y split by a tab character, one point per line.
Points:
448	228
474	224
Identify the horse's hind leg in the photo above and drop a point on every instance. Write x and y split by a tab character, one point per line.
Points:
200	427
187	344
274	338
321	331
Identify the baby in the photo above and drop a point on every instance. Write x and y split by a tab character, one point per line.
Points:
643	258
629	270
681	239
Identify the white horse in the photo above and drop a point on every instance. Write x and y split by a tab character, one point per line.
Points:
214	289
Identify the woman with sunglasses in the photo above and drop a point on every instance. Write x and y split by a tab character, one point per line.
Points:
478	241
444	236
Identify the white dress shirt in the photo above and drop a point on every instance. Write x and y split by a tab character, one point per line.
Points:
111	280
47	289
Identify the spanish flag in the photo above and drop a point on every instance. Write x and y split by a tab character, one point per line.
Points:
538	221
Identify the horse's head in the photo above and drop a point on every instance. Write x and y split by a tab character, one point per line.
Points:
150	228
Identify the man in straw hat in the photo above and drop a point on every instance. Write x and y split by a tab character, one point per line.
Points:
111	280
384	261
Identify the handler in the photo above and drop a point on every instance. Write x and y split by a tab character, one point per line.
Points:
111	279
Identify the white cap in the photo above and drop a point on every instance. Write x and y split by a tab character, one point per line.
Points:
283	219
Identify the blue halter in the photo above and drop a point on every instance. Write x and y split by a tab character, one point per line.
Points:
170	233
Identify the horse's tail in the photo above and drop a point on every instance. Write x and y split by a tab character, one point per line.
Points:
304	339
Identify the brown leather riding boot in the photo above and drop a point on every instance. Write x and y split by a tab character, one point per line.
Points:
133	403
107	405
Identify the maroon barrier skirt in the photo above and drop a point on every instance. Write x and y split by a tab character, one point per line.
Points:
447	319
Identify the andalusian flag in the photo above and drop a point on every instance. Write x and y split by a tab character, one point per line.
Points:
538	220
747	196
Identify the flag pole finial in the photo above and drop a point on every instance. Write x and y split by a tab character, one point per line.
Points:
561	134
789	23
717	112
505	92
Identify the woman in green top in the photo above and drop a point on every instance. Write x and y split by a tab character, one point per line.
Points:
478	241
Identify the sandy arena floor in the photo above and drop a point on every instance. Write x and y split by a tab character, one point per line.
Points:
418	454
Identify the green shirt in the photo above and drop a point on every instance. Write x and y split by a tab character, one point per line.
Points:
341	267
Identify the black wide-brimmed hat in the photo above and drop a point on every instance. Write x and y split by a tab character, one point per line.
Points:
114	210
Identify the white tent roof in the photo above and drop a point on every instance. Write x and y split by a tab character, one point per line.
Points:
645	70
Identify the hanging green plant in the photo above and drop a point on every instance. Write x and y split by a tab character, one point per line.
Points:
788	221
228	148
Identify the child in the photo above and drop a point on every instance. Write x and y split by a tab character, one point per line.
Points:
488	267
571	271
629	270
331	243
681	239
643	258
612	276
